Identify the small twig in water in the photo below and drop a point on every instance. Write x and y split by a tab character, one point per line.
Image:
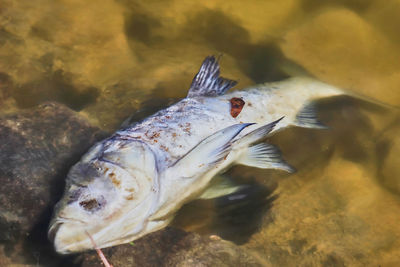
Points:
99	252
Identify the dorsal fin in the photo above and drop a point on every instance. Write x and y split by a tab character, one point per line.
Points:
207	81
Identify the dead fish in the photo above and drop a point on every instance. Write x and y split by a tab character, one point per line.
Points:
133	182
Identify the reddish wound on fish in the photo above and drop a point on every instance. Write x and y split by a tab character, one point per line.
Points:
236	106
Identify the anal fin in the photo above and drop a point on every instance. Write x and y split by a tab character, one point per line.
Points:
307	117
264	156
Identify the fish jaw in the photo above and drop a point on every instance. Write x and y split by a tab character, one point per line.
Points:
71	236
64	241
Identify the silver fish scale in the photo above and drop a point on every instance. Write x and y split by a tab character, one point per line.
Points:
172	132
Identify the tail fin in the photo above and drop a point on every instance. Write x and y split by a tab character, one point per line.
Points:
323	90
373	101
307	117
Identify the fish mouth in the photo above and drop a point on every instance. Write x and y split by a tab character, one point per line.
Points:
80	240
53	230
55	225
60	234
72	236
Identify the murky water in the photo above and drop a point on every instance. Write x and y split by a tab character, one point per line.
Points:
110	59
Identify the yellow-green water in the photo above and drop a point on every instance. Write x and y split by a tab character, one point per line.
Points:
108	59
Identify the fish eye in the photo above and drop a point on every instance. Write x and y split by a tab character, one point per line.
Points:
89	205
93	204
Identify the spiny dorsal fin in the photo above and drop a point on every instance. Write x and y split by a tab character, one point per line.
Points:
207	81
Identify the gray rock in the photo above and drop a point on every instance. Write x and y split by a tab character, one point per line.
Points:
172	247
37	146
7	102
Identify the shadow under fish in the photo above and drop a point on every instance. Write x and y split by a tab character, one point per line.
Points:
231	208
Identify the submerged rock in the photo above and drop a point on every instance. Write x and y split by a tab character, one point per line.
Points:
389	161
335	210
359	58
385	15
37	146
172	247
7	103
340	217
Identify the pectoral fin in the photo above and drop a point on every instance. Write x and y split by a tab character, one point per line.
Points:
198	161
208	152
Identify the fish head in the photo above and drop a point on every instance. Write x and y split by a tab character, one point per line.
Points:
108	197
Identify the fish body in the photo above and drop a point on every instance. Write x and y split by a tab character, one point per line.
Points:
175	130
133	182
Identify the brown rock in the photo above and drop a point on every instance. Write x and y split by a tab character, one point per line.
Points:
340	217
340	47
385	15
388	148
84	40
